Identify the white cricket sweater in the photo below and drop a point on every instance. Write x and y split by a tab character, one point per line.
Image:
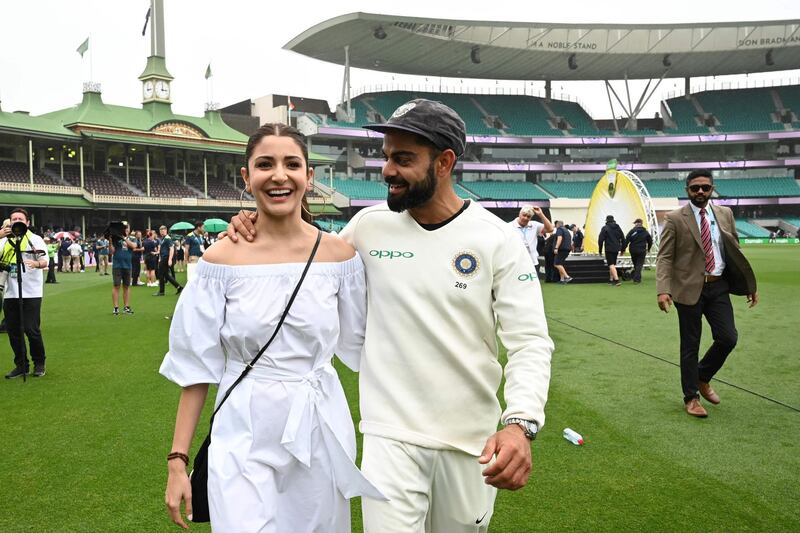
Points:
436	299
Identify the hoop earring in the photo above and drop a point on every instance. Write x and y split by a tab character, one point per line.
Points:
309	213
241	199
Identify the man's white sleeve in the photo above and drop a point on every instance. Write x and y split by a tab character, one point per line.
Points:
522	329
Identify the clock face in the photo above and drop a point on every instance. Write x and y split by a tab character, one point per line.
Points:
162	89
148	89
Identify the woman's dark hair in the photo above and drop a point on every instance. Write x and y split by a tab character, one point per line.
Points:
281	130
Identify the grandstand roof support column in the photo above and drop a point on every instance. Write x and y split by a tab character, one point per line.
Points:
611	106
185	155
80	164
61	162
147	169
346	80
687	86
127	166
205	177
548	90
30	161
630	111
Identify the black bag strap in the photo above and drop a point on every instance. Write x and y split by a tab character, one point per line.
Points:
250	365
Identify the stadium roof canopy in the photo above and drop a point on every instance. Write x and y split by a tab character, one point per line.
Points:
545	51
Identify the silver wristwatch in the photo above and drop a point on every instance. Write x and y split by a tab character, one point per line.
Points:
530	427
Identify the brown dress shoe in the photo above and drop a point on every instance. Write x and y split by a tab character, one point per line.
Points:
694	408
707	392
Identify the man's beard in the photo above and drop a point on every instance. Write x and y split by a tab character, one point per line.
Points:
699	201
415	195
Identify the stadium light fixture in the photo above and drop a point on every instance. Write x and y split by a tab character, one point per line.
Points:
572	62
768	58
667	61
379	33
475	54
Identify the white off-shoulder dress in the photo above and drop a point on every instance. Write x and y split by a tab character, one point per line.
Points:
283	445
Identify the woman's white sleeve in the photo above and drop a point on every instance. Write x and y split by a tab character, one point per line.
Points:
195	349
352	313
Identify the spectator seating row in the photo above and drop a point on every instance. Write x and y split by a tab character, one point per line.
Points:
97	182
16	172
740	109
361	189
217	188
505	190
756	187
748	229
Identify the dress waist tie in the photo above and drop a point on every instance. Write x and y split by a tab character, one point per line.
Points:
310	401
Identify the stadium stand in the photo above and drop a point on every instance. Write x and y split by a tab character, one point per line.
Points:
748	229
740	109
523	115
569	189
685	116
756	187
505	190
790	98
463	193
579	120
218	189
360	189
794	221
98	182
15	172
666	188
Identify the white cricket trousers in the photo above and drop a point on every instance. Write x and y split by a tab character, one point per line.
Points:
429	491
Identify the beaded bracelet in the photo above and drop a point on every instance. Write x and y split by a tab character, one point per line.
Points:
178	455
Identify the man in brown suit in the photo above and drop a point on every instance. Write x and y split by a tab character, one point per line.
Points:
699	265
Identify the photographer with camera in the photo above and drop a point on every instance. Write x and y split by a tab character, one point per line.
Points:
22	257
122	246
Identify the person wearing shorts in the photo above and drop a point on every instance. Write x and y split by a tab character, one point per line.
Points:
562	247
613	239
121	253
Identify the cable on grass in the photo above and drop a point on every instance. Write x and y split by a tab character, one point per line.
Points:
637	350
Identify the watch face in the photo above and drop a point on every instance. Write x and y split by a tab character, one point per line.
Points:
162	89
148	89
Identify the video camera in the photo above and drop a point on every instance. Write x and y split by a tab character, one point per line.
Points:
115	231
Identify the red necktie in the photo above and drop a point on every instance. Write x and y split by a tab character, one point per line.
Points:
705	237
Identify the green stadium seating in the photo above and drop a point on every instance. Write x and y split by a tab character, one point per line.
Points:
683	113
361	189
505	190
577	117
740	109
569	189
666	188
756	187
748	229
794	221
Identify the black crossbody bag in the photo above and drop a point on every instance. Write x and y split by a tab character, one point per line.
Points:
199	475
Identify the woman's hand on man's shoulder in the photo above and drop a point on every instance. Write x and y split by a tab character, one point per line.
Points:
335	249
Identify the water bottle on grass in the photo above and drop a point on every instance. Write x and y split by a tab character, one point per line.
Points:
573	436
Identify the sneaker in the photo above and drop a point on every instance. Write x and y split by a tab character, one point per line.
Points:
128	310
116	311
179	290
567	279
616	283
38	371
17	372
159	294
106	274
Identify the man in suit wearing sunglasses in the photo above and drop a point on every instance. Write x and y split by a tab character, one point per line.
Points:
699	265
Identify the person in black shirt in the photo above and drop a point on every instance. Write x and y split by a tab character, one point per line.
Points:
150	251
577	239
612	237
638	242
562	247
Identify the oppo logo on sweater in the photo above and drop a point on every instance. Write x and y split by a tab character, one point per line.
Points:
391	254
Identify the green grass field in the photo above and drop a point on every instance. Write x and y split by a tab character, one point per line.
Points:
83	449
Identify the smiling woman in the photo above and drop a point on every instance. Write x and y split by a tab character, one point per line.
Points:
283	432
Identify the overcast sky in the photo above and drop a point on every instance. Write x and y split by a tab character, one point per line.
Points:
41	71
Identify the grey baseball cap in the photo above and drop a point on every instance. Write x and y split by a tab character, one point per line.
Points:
429	119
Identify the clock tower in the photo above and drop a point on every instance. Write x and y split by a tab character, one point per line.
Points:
156	79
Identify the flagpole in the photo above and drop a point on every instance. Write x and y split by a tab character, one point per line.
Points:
91	60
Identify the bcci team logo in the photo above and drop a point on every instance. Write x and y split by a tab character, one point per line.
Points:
466	264
403	109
